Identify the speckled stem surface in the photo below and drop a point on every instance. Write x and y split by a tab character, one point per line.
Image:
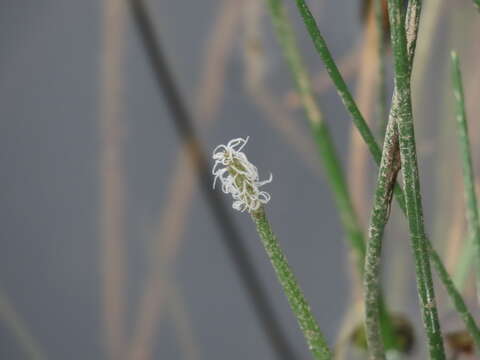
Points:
299	305
387	174
389	167
410	172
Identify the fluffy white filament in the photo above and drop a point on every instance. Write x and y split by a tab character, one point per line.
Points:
239	177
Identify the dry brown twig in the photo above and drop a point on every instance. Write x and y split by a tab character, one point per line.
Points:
359	157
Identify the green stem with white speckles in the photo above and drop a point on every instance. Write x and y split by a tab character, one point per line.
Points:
387	175
299	305
413	200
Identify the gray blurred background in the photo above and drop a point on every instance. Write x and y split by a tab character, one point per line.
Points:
109	249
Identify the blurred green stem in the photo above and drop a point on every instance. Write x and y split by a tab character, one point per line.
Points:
464	265
341	86
19	329
326	148
468	174
299	305
456	299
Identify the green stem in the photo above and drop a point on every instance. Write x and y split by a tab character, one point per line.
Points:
382	85
466	158
299	305
456	298
464	265
387	174
337	79
341	86
326	148
411	179
389	167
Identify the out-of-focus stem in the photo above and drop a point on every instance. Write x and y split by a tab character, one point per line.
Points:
466	157
382	84
358	158
334	172
112	206
12	320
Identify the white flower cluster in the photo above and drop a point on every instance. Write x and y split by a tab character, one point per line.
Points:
239	177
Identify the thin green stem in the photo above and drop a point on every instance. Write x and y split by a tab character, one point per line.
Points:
341	86
387	174
338	80
456	298
411	180
326	148
382	85
466	158
389	167
412	20
464	265
299	305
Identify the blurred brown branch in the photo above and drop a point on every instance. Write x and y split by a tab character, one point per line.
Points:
112	175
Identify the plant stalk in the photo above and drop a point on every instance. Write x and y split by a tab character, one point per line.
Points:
466	158
387	175
322	137
299	305
411	181
389	167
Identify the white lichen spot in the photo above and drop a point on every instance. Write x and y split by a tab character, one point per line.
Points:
239	177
